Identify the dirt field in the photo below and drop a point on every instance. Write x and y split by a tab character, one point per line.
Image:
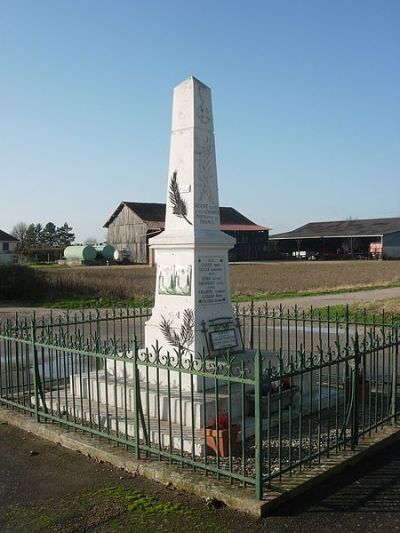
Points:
270	278
130	282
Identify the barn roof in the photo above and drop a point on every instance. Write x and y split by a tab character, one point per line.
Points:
372	227
6	236
154	216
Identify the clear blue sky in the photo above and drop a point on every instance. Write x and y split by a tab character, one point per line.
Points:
305	100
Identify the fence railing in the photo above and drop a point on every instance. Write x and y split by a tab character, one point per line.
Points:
263	327
308	385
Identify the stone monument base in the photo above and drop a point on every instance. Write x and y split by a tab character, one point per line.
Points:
174	416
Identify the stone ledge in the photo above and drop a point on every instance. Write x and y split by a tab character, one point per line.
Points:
204	487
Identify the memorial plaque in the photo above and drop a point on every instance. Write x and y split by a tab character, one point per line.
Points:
223	339
211	285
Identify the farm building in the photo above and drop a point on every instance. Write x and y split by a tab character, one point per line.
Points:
8	244
359	239
132	225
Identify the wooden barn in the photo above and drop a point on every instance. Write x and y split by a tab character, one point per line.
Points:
132	225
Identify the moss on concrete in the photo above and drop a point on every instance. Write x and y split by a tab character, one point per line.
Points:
93	509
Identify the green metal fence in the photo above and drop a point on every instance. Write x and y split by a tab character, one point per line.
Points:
309	385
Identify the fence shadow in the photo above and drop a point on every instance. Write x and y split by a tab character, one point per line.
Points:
367	488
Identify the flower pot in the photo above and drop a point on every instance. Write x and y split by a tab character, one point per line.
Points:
217	440
362	390
285	397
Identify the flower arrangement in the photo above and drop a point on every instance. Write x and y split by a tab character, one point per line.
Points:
275	386
219	422
278	394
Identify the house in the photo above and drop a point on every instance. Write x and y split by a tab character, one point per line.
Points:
368	238
133	223
8	244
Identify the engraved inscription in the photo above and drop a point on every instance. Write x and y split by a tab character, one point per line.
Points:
221	340
207	215
206	205
203	111
212	283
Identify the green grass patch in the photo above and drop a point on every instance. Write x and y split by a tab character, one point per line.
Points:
241	298
355	313
90	303
142	503
95	510
43	266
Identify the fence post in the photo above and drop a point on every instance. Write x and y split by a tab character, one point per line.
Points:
354	425
251	333
136	396
35	369
395	361
258	424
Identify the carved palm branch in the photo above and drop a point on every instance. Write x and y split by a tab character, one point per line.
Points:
185	337
179	205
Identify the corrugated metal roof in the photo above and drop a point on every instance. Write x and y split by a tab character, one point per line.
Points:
243	227
6	236
154	215
372	227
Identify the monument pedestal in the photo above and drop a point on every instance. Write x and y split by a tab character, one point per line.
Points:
173	416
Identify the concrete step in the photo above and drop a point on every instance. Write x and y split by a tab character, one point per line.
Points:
192	408
119	422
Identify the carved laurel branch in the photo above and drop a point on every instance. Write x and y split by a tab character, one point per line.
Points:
185	337
179	205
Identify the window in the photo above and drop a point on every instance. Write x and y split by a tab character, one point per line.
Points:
6	246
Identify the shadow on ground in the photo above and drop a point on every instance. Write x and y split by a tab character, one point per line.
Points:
372	487
46	488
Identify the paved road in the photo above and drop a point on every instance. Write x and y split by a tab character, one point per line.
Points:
46	488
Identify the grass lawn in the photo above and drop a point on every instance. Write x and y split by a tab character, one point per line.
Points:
370	311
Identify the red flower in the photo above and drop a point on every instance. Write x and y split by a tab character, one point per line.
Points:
220	422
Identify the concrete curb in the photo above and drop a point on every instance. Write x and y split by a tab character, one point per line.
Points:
239	498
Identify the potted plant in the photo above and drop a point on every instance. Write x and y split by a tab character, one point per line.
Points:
274	393
219	433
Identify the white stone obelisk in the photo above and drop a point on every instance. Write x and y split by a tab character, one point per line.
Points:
193	298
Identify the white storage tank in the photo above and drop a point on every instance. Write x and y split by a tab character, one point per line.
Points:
80	253
122	256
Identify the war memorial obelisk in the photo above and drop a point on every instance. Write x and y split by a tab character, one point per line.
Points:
192	310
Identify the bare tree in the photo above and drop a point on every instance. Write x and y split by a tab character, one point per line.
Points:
91	240
19	232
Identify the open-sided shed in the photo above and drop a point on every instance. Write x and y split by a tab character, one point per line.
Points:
369	238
